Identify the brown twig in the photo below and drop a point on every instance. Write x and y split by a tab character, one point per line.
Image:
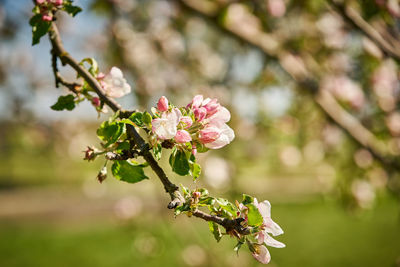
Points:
355	19
143	148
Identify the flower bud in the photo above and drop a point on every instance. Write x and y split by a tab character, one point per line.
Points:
47	17
182	136
39	2
194	150
96	101
212	107
196	194
58	2
196	102
209	134
162	104
187	121
200	113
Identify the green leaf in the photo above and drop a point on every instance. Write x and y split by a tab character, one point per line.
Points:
179	163
137	119
180	209
195	170
157	151
64	102
39	28
206	201
110	132
247	199
214	229
253	215
128	172
147	118
70	9
185	191
123	146
226	206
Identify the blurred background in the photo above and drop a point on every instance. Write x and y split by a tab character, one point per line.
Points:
315	109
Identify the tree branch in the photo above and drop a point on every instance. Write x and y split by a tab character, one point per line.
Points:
173	190
355	19
301	75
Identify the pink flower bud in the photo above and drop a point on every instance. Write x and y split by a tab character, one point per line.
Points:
196	102
196	194
162	104
58	2
212	107
39	2
200	113
187	121
209	134
47	17
96	101
182	136
194	150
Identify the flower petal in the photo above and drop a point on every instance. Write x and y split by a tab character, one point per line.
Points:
261	254
270	241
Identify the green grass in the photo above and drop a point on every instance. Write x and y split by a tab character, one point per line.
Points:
316	234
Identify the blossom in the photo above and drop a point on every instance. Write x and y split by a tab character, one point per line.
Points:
162	104
263	238
166	126
209	134
47	17
200	113
114	83
226	136
261	253
96	101
187	121
196	102
182	136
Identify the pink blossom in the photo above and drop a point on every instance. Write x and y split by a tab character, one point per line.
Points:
58	2
209	134
261	253
187	121
39	2
96	101
226	135
200	113
196	101
166	126
276	8
212	107
221	117
182	136
162	104
47	17
194	150
264	239
114	83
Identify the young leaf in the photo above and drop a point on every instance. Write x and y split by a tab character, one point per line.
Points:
70	9
39	28
64	102
94	66
179	163
137	119
128	172
226	206
238	246
195	170
247	199
214	229
157	151
110	132
254	216
147	118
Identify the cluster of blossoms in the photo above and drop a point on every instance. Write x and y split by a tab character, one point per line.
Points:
47	7
263	239
202	123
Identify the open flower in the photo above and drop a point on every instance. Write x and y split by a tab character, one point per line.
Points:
263	238
166	126
226	135
114	84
